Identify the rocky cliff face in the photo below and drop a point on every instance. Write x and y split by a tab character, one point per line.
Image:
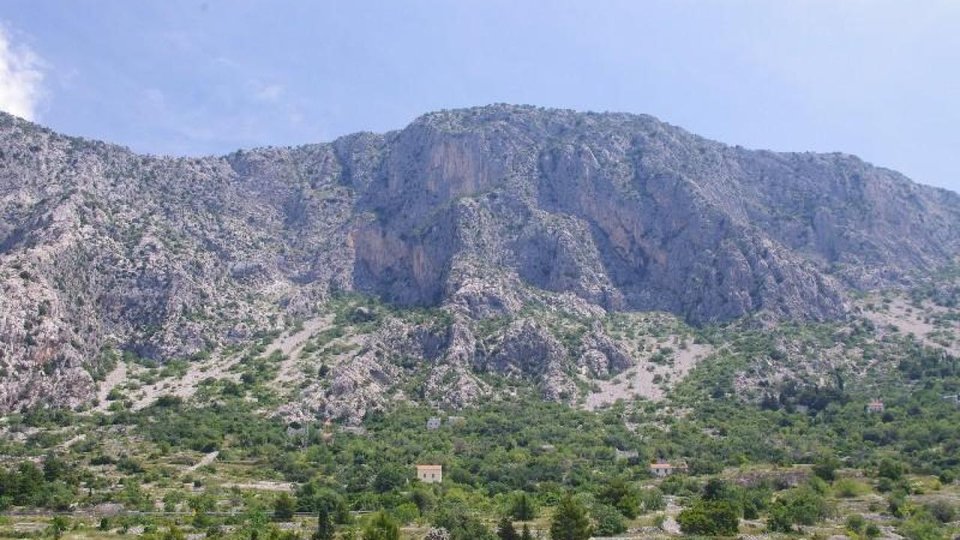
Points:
479	211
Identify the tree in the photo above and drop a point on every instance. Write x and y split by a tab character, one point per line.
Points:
802	506
753	500
622	496
526	534
283	507
942	510
325	527
523	508
889	469
200	504
826	468
423	499
652	500
921	526
256	521
54	468
807	507
710	518
779	519
58	496
382	527
716	490
311	496
389	477
696	521
460	523
570	521
609	521
855	523
58	525
505	530
28	484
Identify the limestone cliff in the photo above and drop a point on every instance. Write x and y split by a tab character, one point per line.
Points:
478	211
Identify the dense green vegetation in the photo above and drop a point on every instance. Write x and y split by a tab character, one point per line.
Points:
793	455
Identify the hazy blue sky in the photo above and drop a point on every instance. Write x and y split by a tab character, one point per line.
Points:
876	78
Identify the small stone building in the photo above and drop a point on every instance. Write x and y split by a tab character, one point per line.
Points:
875	406
433	423
430	474
662	469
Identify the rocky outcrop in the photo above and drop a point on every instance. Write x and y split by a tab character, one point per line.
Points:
601	356
358	387
452	382
479	212
527	349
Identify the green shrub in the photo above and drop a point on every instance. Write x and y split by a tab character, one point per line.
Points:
942	510
710	518
651	500
848	488
570	521
608	520
855	523
381	527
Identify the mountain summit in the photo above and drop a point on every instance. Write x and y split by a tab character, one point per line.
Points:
477	212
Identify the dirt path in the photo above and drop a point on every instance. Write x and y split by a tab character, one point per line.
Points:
72	441
205	460
261	485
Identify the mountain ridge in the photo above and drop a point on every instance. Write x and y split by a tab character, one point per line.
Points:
477	212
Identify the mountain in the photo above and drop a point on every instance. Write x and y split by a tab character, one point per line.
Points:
479	218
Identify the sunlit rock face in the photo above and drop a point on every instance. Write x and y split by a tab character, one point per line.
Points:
477	211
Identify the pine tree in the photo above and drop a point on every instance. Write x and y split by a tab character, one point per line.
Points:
526	534
505	530
570	521
325	527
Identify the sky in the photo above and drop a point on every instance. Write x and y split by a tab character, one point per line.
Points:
877	78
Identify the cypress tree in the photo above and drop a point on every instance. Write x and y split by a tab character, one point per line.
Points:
523	509
325	527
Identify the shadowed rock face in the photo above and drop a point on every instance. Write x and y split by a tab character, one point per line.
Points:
475	210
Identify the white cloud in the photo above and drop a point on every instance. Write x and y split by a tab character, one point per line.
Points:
21	78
